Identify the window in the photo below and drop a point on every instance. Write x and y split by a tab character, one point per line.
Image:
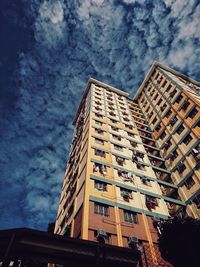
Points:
158	127
165	82
101	209
163	107
180	129
154	121
196	200
126	119
185	105
193	113
140	166
117	137
162	136
113	121
151	202
130	217
125	176
133	144
189	182
128	126
155	97
179	98
130	134
172	94
168	88
173	121
99	131
160	100
97	167
100	186
99	141
173	155
100	153
126	194
187	139
112	113
99	115
114	128
119	148
181	167
98	123
168	113
145	181
120	160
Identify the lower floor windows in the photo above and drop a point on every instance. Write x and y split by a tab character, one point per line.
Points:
130	217
101	209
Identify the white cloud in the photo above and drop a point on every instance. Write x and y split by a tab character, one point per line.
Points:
50	25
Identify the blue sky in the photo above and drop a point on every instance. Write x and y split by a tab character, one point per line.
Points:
48	51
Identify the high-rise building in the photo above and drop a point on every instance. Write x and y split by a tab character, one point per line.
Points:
133	162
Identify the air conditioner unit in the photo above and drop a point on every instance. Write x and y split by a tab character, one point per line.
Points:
101	234
125	195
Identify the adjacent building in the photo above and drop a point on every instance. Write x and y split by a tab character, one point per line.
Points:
133	162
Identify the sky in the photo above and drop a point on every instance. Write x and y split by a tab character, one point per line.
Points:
48	51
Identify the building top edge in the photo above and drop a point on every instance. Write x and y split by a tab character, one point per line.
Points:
158	64
99	83
107	86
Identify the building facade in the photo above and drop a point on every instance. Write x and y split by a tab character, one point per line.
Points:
133	162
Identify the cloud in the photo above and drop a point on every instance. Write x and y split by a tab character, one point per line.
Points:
114	41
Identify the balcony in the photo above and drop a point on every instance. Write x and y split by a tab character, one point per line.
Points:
125	176
148	141
102	169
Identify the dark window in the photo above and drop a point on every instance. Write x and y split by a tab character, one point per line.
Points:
101	209
160	100
98	123
173	121
99	153
155	96
130	134
165	82
145	181
158	127
196	200
114	128
116	137
99	141
113	121
100	186
180	129
173	155
99	131
187	139
168	88
193	113
99	115
126	194
130	217
179	98
162	136
120	148
168	113
154	120
189	182
185	105
181	167
128	126
120	160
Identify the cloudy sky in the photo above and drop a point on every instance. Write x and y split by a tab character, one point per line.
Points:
48	50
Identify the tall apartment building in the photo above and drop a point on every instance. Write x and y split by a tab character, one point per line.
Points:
133	162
